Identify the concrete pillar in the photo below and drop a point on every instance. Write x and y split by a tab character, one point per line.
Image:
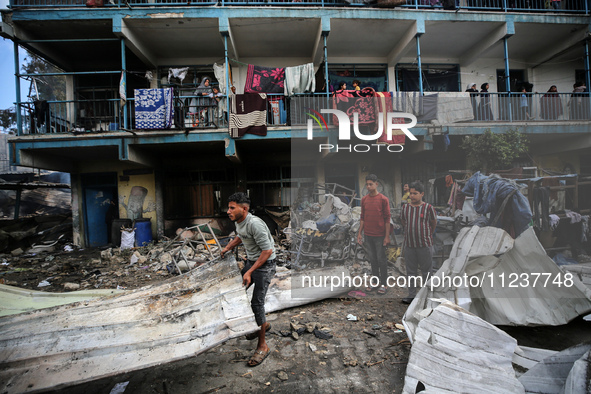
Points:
77	213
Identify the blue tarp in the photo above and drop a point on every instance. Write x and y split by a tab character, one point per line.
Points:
489	192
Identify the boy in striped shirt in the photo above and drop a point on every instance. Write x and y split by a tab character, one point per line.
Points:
419	220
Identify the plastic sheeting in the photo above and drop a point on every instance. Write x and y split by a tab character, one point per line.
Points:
489	192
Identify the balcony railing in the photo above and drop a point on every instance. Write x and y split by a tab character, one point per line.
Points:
571	6
85	116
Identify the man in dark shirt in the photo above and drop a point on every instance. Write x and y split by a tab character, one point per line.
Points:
375	225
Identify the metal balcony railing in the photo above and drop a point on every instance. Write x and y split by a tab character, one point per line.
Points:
570	6
198	113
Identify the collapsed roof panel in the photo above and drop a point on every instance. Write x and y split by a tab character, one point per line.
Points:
71	344
503	282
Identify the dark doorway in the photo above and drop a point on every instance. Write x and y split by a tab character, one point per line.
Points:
97	192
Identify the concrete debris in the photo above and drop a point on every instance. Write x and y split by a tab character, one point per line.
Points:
282	376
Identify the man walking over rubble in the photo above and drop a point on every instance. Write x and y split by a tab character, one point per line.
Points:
375	225
419	220
259	269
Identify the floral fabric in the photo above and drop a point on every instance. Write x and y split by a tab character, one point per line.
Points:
265	79
154	108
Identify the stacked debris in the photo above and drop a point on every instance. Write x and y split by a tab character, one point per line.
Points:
34	234
323	232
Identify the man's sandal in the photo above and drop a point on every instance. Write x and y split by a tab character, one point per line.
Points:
254	335
382	290
258	357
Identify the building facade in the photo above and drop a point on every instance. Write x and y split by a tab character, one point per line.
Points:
182	174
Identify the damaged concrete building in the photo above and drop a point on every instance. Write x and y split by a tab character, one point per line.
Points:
180	172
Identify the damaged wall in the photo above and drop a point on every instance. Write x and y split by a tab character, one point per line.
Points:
137	197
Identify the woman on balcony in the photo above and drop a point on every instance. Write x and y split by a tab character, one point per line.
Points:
473	94
485	109
200	105
551	104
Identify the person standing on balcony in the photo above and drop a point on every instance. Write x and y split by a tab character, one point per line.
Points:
578	105
200	105
485	110
356	85
419	220
260	266
524	105
473	94
551	104
375	227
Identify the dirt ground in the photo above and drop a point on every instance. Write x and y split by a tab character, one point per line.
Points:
367	356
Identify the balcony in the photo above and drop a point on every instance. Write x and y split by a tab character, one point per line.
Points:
575	6
92	116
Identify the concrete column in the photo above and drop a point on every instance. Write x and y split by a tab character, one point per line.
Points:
77	214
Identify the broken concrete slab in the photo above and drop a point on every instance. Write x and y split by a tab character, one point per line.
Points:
65	345
558	374
582	271
457	352
496	282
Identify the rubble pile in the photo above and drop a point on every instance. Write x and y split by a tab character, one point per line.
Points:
19	236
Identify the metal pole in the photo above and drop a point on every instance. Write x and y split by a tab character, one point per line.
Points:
419	63
587	75
227	79
17	83
507	78
326	67
124	71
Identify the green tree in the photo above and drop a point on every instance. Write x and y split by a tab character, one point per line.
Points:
8	119
489	152
48	87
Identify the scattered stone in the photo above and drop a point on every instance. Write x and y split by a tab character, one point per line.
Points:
321	334
71	286
295	335
312	347
371	333
310	327
107	254
282	376
17	252
370	316
268	384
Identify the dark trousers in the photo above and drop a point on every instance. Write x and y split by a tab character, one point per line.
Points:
376	253
261	278
417	258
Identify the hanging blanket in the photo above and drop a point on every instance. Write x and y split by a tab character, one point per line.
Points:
384	105
154	108
248	114
264	80
352	101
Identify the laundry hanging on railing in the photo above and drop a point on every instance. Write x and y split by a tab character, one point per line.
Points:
300	79
179	73
352	101
248	114
265	79
154	108
384	105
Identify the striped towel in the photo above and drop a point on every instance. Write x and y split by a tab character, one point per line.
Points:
248	114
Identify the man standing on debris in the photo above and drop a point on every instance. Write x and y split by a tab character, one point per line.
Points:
419	220
259	269
375	225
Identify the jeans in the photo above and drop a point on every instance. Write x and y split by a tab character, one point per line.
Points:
261	278
376	253
417	258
